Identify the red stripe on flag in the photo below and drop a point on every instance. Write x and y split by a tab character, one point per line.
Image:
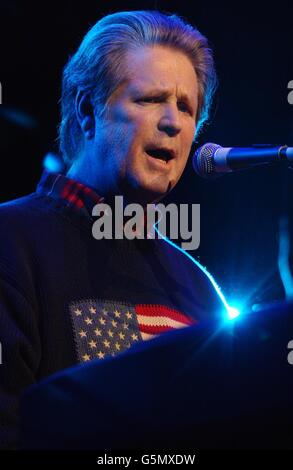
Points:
156	329
163	311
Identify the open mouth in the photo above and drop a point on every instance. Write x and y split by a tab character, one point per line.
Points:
160	154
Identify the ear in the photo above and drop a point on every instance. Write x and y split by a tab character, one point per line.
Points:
85	113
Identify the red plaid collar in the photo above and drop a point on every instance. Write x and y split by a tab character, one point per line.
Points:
76	194
80	197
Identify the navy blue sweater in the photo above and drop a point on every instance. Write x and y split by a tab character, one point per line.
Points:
66	297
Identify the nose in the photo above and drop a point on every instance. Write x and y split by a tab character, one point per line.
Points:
170	120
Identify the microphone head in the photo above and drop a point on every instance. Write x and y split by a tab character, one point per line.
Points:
203	160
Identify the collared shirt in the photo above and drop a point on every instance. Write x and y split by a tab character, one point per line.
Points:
78	196
81	197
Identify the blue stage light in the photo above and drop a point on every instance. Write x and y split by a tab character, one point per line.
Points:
18	117
233	312
53	163
284	257
230	312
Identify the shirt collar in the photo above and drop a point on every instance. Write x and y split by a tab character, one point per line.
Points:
77	195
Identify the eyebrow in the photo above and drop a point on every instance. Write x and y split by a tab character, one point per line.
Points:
163	93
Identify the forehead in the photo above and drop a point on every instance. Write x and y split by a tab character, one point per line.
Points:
161	68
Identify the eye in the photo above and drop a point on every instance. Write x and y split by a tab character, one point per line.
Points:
149	99
182	106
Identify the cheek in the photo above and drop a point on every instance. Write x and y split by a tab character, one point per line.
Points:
140	132
132	132
187	139
121	132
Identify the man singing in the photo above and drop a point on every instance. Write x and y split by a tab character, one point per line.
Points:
134	95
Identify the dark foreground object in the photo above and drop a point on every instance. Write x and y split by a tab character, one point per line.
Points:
209	386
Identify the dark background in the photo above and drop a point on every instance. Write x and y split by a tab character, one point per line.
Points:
253	49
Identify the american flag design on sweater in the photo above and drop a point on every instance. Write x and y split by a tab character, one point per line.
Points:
104	328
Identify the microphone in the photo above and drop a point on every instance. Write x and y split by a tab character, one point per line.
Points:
212	160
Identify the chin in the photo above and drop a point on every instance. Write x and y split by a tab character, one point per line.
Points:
140	190
154	195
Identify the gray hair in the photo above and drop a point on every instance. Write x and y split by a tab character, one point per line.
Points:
97	66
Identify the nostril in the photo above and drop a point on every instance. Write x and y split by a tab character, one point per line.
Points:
170	129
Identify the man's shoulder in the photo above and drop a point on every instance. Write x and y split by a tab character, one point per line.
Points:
20	218
26	226
20	205
26	211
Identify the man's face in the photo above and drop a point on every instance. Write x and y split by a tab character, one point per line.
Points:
143	141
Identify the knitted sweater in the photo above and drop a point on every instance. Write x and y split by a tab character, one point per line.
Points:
66	297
